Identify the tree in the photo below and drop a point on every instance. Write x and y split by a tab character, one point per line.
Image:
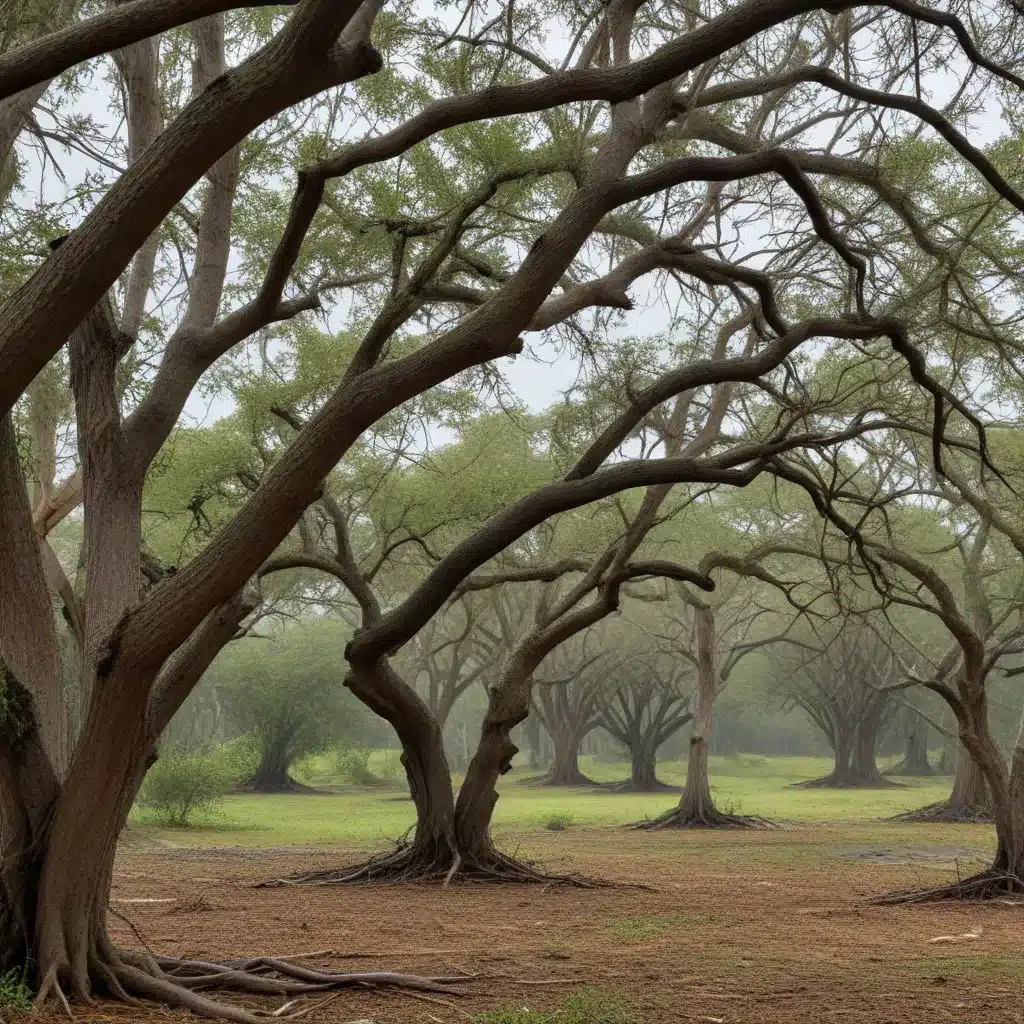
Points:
419	324
650	704
915	752
569	708
976	596
844	688
716	633
284	692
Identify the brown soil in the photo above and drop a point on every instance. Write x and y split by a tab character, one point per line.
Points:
744	927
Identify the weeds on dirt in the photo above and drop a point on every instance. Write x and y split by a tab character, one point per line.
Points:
640	927
588	1006
15	991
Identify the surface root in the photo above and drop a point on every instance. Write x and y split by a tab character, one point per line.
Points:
988	885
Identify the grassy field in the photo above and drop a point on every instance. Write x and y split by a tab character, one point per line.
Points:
369	817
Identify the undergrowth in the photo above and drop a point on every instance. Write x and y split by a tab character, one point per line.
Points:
15	992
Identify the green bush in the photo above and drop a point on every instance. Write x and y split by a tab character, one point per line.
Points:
353	766
179	784
15	992
391	766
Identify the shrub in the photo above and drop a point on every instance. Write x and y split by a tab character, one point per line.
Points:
179	784
391	766
15	992
353	766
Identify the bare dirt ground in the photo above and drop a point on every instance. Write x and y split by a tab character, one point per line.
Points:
743	927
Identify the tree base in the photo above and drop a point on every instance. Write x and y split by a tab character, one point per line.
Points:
408	864
943	811
630	786
987	885
833	781
288	785
578	780
706	817
910	771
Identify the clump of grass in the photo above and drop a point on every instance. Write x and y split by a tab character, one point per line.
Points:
559	821
15	991
640	927
588	1006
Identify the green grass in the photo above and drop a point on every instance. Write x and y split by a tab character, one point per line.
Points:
373	817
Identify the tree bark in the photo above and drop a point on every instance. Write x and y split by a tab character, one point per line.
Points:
272	774
382	690
72	947
28	791
643	776
970	794
864	766
507	706
565	768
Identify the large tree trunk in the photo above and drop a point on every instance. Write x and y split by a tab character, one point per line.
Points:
915	752
509	704
271	776
864	765
71	946
565	767
28	791
381	689
969	800
432	852
643	775
970	794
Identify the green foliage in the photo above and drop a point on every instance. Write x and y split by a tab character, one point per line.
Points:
353	766
15	706
15	992
588	1006
181	784
286	693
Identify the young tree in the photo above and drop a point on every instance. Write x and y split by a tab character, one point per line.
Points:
715	634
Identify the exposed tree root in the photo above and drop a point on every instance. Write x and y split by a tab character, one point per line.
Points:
833	781
291	785
408	864
976	814
988	885
132	977
707	817
629	786
578	779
